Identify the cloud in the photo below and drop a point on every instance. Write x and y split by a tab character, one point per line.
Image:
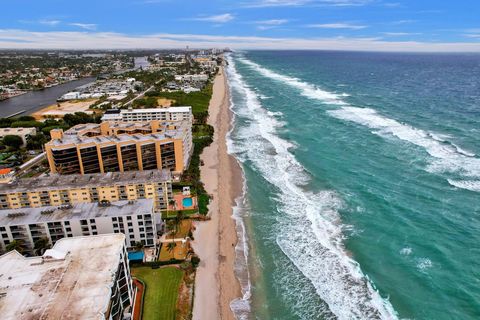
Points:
339	25
46	22
472	33
400	34
86	26
297	3
392	4
276	3
406	21
220	18
24	39
49	22
269	24
272	22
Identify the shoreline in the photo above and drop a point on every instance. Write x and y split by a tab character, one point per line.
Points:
216	239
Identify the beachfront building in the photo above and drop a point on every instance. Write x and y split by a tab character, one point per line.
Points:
120	146
136	219
59	190
6	175
21	132
191	77
79	278
161	114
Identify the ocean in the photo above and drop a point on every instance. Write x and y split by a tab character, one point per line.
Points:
362	184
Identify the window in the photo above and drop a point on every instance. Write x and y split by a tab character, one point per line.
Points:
68	229
67	223
132	236
114	218
94	233
92	220
115	225
140	223
141	229
94	227
130	224
129	218
130	230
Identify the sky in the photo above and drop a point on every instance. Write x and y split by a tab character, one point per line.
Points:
373	25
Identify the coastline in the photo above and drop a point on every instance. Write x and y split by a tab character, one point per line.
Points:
216	239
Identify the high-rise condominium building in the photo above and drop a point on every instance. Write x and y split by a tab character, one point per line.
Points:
79	278
120	146
58	190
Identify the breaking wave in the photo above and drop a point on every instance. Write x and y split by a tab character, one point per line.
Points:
309	226
447	157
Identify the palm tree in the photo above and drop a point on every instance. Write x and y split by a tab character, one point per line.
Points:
172	204
170	247
138	245
178	220
40	245
16	245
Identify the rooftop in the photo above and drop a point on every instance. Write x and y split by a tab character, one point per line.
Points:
18	130
78	211
91	132
72	281
63	182
150	110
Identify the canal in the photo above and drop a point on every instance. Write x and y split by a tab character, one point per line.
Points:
35	100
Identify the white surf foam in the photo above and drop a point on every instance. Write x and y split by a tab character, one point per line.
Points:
241	306
472	185
307	89
406	251
310	232
447	157
423	264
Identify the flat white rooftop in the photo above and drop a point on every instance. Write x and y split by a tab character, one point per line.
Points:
74	284
157	110
90	210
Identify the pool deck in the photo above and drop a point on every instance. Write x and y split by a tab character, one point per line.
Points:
178	198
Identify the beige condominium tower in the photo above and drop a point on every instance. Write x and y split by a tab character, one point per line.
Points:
120	146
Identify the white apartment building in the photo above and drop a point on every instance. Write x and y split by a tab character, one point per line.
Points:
21	132
162	114
191	77
134	218
79	278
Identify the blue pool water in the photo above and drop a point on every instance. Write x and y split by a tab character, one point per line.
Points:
135	256
187	202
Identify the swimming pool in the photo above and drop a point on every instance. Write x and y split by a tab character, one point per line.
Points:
135	256
187	202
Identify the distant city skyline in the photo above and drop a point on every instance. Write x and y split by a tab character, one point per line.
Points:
390	25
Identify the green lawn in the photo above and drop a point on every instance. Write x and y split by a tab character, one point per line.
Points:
161	291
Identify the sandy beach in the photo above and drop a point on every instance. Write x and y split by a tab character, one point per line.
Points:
216	285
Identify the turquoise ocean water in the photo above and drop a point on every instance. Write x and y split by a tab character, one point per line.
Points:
362	184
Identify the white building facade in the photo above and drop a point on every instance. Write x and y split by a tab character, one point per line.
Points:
162	114
135	218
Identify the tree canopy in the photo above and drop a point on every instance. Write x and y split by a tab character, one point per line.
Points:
12	141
